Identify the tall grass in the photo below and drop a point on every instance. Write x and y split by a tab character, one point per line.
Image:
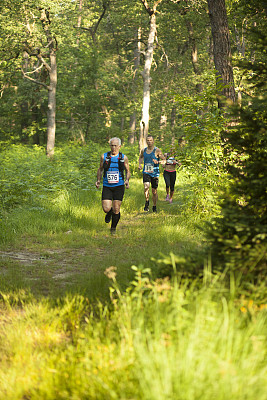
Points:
159	340
77	322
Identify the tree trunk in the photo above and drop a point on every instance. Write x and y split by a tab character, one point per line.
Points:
162	124
144	123
240	45
122	124
221	51
194	54
52	70
132	134
51	112
79	21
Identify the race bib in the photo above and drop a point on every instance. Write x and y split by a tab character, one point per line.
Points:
170	161
149	168
113	177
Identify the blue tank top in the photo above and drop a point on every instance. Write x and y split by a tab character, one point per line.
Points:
150	168
113	177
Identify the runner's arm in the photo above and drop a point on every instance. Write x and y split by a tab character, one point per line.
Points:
100	172
161	156
128	173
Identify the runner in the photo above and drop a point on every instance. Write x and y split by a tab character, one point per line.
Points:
151	156
169	174
113	164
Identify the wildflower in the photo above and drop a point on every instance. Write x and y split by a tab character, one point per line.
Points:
111	273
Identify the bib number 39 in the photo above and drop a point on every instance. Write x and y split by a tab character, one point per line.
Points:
113	177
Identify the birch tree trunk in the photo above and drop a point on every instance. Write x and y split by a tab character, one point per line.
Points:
52	70
51	111
221	51
144	123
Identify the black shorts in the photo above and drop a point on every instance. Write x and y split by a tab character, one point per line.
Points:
113	193
170	178
153	180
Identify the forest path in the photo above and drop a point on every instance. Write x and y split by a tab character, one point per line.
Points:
51	263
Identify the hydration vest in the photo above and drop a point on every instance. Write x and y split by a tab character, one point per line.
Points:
107	162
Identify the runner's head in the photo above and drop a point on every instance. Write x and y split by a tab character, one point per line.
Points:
150	141
115	145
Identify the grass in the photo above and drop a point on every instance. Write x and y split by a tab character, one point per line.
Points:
56	241
83	315
160	340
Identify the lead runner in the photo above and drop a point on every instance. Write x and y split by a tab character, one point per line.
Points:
113	164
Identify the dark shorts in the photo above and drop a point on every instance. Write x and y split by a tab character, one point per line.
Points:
170	178
154	181
113	193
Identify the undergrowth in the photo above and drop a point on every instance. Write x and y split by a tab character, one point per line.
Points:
164	339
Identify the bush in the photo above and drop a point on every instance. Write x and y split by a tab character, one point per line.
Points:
239	237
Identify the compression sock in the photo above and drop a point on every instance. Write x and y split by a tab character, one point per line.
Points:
115	220
146	208
108	216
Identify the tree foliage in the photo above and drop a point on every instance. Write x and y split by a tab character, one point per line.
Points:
239	237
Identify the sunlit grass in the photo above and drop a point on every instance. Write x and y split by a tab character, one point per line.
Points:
160	341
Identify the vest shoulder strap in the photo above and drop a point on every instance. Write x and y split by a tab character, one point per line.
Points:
107	161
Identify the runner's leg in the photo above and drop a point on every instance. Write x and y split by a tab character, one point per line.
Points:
146	190
106	205
167	182
172	183
155	196
116	214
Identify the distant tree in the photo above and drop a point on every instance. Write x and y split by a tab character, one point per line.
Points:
51	69
144	123
36	29
221	51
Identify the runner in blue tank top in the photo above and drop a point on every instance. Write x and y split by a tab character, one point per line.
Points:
113	164
151	156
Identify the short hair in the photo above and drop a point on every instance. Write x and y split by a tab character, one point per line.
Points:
150	136
115	138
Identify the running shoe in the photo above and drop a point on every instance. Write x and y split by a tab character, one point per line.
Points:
154	209
170	201
167	198
146	208
112	231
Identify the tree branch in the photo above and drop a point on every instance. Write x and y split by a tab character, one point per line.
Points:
37	55
33	80
148	9
156	5
105	6
93	30
32	72
247	93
